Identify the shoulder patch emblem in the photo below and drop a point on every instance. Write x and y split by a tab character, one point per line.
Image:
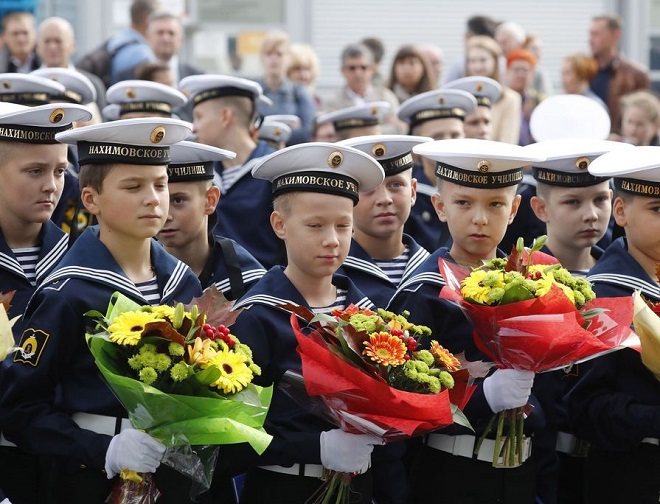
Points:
32	345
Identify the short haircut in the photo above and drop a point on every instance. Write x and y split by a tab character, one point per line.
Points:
303	55
157	16
481	25
376	47
644	100
356	51
612	21
516	30
147	71
244	109
141	10
584	66
93	175
283	202
7	151
13	16
543	190
272	40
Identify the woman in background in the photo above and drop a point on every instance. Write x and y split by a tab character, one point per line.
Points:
411	73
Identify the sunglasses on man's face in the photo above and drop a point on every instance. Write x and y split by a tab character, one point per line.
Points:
353	68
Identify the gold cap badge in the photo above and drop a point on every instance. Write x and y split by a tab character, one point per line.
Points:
483	166
378	150
56	115
335	159
157	134
582	163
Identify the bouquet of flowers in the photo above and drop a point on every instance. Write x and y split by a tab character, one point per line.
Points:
368	374
7	344
647	326
530	313
184	379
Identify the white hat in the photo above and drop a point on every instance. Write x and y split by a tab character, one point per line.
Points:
567	161
77	87
292	121
192	161
26	89
39	124
200	88
487	91
635	171
393	152
274	131
141	141
320	167
141	96
472	162
357	116
569	116
437	104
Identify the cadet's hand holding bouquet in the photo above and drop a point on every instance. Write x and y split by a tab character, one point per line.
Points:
530	314
183	378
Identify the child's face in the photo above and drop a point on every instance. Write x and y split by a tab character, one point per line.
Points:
383	212
477	219
576	217
640	216
190	202
636	126
477	124
32	182
317	231
134	201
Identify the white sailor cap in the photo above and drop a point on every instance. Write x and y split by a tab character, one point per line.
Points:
437	104
39	124
200	88
77	87
274	131
635	171
567	161
192	161
472	162
569	116
292	121
393	152
27	89
141	96
140	141
357	116
487	91
320	167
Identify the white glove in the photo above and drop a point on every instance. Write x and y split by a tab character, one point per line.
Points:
508	388
348	453
6	501
133	449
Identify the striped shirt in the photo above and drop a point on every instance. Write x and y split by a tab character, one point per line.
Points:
229	176
339	304
394	268
28	258
149	290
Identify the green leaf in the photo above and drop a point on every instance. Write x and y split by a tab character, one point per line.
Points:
460	418
324	317
593	312
208	376
516	293
538	243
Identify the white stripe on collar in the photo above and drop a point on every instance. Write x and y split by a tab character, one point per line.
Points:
631	282
53	256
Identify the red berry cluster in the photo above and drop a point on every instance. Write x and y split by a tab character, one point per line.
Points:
411	343
221	332
534	276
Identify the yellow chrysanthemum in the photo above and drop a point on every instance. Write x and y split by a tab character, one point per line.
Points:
385	349
473	286
201	352
444	357
547	280
236	375
163	311
127	328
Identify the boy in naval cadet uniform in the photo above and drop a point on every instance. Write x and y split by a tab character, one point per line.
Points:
139	98
575	207
187	233
358	120
558	117
437	114
276	130
615	404
32	171
224	113
54	403
381	255
315	187
70	214
487	91
477	198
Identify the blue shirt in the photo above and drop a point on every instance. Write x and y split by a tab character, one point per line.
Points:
132	49
294	99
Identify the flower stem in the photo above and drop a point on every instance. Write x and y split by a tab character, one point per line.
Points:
498	438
